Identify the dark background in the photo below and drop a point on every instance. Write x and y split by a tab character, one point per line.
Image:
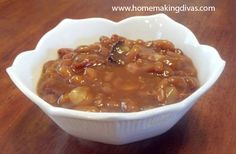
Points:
209	127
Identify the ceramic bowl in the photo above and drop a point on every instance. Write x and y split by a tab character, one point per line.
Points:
115	128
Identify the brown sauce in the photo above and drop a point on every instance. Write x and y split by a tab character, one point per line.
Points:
118	75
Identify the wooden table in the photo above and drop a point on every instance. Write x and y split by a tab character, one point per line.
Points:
209	127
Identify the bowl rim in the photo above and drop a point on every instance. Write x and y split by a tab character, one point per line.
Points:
111	116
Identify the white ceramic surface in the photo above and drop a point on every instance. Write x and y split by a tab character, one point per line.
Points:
115	128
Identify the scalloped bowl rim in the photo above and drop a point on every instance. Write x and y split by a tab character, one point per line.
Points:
107	116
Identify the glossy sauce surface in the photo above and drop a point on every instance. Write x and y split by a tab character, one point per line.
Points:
118	75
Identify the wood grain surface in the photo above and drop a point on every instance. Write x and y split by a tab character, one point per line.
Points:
208	128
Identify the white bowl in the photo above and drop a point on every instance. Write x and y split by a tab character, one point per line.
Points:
115	128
